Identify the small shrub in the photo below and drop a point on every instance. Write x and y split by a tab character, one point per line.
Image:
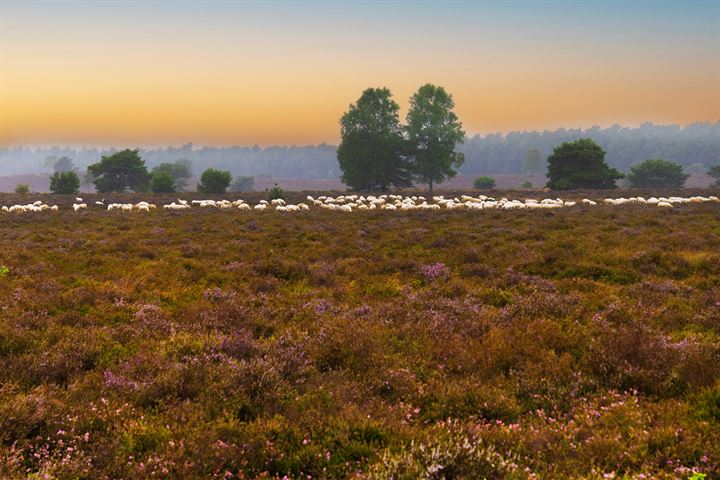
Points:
484	183
527	184
22	189
275	192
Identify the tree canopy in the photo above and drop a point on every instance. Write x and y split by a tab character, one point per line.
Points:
162	182
656	174
180	171
580	164
214	181
121	171
433	132
65	182
371	152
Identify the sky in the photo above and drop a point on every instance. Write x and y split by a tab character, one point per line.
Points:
221	72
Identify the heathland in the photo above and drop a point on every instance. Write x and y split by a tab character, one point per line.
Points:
570	343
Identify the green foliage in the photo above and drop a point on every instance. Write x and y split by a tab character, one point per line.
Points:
275	192
65	182
371	151
22	189
4	270
714	172
433	132
119	172
180	171
533	161
162	182
527	184
580	164
483	182
243	184
214	181
657	174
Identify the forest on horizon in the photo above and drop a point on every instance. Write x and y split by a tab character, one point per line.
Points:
695	146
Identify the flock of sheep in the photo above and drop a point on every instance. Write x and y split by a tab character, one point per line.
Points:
350	203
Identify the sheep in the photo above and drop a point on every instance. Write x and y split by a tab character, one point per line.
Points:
665	204
79	206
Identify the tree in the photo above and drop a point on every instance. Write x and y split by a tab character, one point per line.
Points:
714	172
119	172
214	181
65	182
433	132
243	184
162	182
180	171
371	151
657	174
481	183
22	189
580	164
533	161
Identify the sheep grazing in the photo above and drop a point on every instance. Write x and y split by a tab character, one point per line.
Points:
79	206
665	204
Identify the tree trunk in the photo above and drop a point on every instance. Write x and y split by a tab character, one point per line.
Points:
431	184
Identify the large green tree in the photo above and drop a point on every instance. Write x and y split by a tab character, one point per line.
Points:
433	132
580	164
656	174
121	171
65	182
180	171
371	151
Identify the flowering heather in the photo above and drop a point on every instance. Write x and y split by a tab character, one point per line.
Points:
579	343
434	270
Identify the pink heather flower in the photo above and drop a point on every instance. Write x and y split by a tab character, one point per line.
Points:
434	270
327	456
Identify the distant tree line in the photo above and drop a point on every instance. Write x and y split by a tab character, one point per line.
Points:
696	147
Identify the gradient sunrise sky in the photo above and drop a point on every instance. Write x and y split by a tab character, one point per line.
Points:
101	72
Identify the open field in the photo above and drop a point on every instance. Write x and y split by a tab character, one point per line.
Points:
570	343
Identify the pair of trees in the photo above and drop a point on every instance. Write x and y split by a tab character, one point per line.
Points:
376	152
581	164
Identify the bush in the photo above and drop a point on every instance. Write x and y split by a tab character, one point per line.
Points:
657	174
527	184
580	164
214	181
276	192
484	183
22	189
162	182
65	182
